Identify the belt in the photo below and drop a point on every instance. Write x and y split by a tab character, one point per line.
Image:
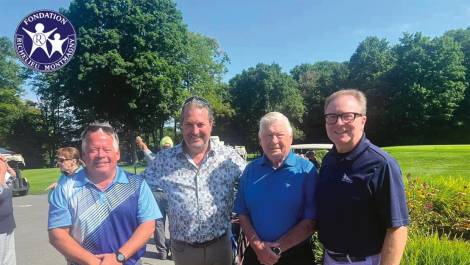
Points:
341	257
206	243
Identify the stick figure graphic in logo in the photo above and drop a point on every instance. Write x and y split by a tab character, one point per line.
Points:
39	38
56	44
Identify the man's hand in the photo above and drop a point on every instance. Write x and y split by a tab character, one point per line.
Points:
108	259
52	186
140	143
264	253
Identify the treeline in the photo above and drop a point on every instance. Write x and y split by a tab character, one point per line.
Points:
136	61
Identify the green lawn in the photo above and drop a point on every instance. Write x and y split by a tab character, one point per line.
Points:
427	161
433	160
39	179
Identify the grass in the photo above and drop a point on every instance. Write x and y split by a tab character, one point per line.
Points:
433	250
39	179
430	161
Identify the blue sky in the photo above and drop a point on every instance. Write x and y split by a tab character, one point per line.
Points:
291	32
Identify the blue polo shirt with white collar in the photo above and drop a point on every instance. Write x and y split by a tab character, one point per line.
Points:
360	194
276	200
102	221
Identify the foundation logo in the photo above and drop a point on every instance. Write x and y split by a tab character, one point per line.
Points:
45	41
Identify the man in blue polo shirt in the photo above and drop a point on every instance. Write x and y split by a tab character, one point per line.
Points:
101	215
362	212
275	200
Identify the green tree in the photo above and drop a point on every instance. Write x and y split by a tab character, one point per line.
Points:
369	71
257	91
316	82
205	68
10	90
27	137
462	115
429	84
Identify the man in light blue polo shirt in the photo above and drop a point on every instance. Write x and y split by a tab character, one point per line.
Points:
275	200
101	215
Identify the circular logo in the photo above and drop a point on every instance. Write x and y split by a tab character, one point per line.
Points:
45	41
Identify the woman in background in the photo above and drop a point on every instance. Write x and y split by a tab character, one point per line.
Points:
68	160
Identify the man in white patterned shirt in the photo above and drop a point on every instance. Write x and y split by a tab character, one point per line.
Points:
199	178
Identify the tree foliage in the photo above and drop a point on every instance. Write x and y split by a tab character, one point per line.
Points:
259	90
135	63
316	82
428	82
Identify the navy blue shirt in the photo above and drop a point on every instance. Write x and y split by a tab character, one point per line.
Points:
360	194
276	200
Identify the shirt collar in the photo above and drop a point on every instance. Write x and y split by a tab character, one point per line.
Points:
213	147
288	161
81	178
358	149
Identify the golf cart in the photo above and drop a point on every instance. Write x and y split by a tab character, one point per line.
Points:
19	184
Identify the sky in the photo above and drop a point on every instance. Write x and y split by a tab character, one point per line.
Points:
289	32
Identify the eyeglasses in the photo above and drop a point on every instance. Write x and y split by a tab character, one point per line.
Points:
346	117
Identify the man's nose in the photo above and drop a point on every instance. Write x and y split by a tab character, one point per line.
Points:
100	152
194	129
275	139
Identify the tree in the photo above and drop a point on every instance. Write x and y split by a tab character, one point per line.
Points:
10	91
429	84
257	91
134	64
462	115
316	82
57	120
205	68
369	71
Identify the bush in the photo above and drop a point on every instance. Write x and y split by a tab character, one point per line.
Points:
432	250
439	205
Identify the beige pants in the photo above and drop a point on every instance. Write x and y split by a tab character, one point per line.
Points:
218	253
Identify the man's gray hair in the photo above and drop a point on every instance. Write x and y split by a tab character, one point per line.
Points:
357	94
272	117
196	102
103	127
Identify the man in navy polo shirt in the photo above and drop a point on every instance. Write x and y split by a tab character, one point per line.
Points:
275	200
362	213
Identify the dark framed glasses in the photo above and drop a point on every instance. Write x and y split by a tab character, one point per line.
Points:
346	117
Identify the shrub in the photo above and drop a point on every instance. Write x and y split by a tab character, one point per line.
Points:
439	205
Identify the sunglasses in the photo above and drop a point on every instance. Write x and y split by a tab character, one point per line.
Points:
62	160
95	127
198	99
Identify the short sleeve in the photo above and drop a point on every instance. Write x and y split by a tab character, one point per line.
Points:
240	205
59	213
148	208
390	196
310	187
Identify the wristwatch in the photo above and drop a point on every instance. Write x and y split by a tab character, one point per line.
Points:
120	257
276	250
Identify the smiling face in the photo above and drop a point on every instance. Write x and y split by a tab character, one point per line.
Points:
100	155
197	129
275	139
345	136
